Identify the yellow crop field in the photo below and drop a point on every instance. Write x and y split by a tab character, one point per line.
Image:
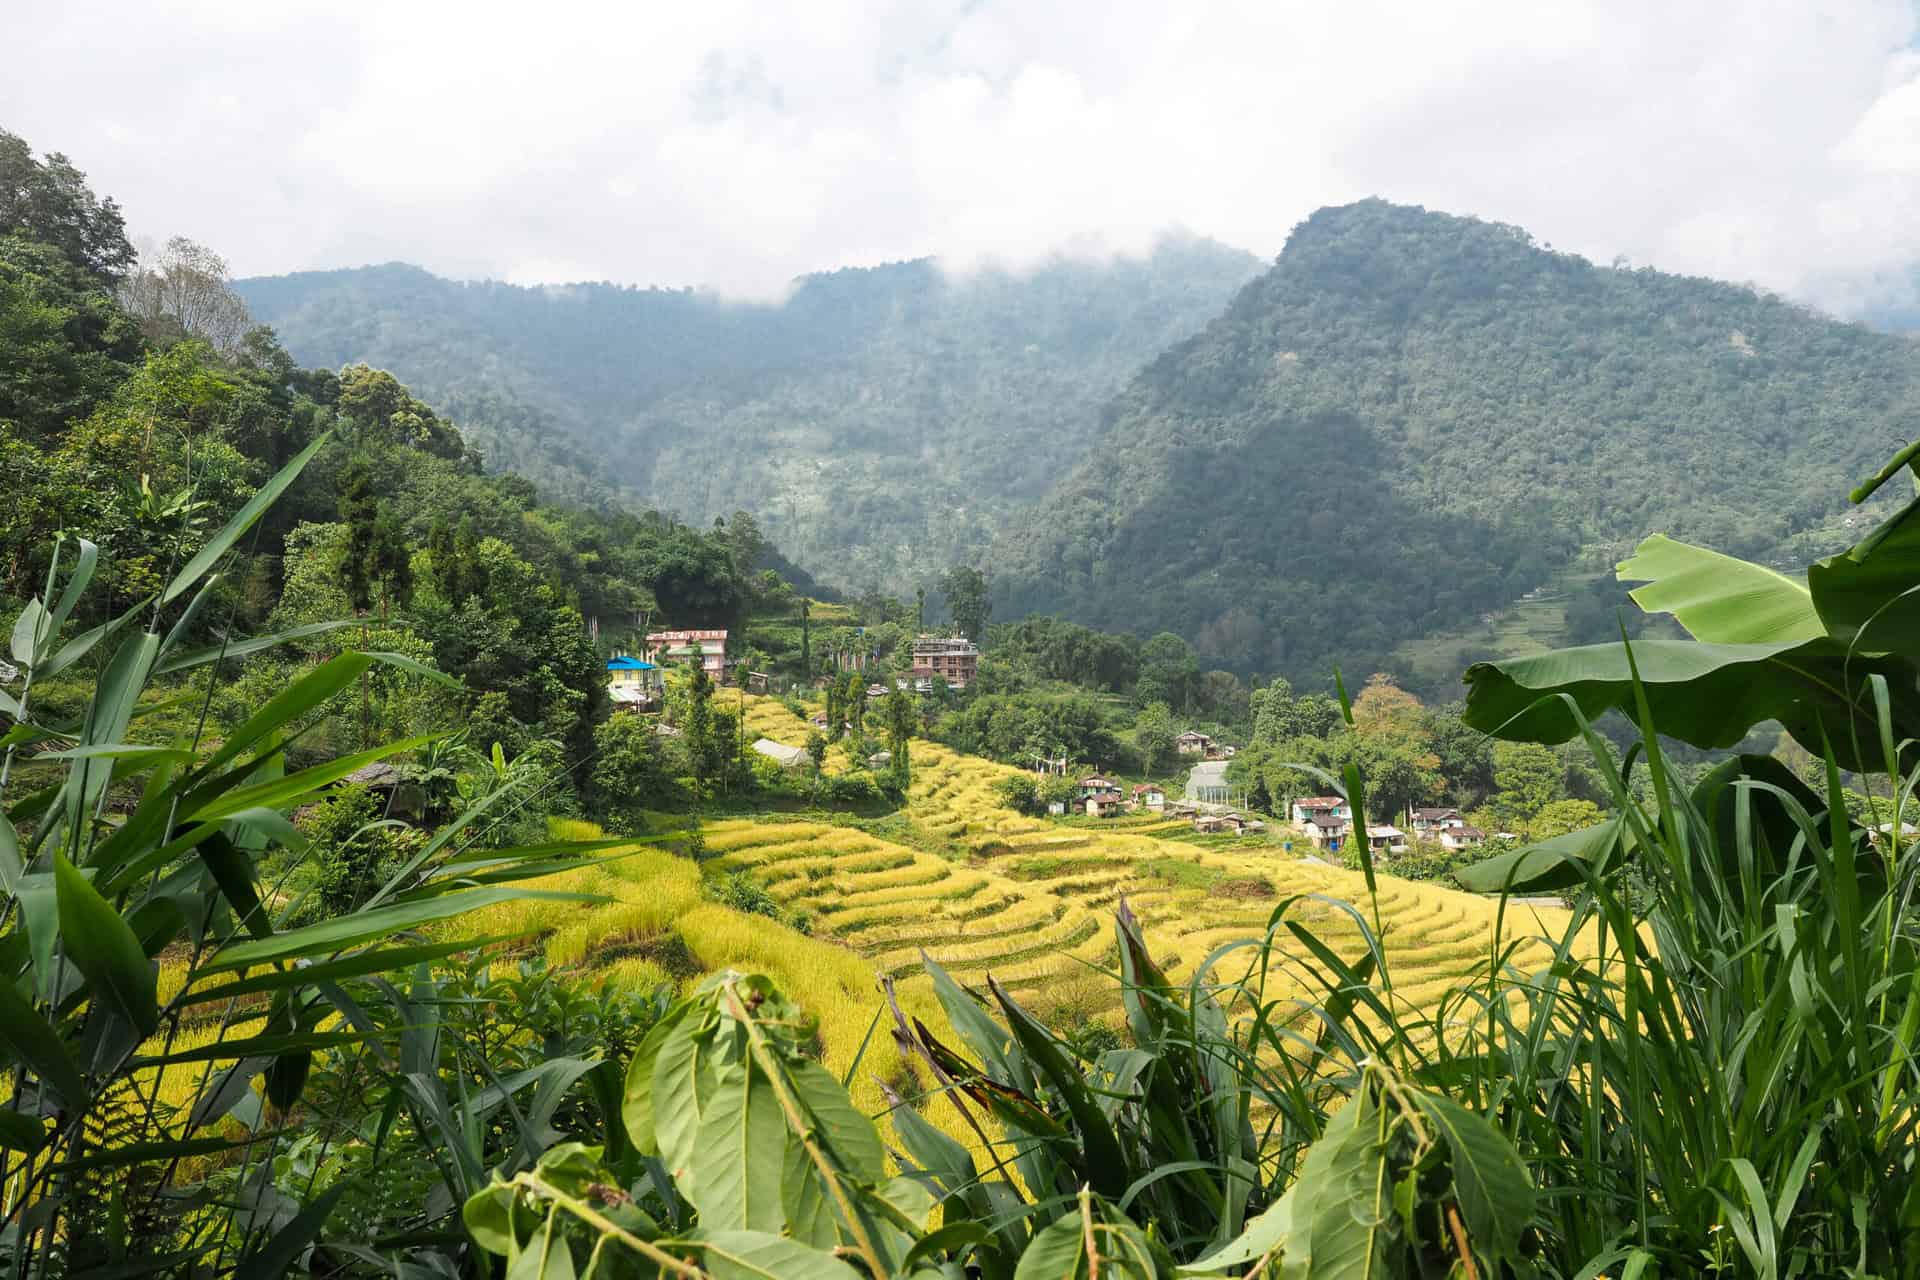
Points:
1032	901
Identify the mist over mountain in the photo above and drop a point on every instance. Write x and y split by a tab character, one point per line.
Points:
883	422
1413	419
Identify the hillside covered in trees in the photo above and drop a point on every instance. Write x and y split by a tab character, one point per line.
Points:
1414	419
882	421
140	408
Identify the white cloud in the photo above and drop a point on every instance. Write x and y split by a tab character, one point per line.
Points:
738	143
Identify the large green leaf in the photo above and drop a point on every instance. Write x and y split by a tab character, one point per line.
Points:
35	1044
347	931
733	1177
1106	1164
758	1255
357	964
1263	1237
1718	599
280	792
1709	695
687	1072
1490	1182
102	946
1342	1200
1121	1250
115	696
233	649
1550	864
1866	595
847	1132
22	1132
636	1105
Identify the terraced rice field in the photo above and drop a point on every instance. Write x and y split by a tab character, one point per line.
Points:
1031	901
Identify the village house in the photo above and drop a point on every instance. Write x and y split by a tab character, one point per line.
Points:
1386	839
954	659
710	646
1322	820
1460	837
1192	743
1428	823
1310	807
1219	823
1095	785
1147	795
633	684
1324	834
1105	804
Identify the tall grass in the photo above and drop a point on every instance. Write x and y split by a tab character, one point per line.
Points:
1715	1071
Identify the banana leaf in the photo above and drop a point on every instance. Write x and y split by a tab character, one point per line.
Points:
1709	695
1718	599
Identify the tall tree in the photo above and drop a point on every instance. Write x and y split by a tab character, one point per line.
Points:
1153	734
392	561
49	201
361	512
699	734
899	732
184	292
966	590
806	638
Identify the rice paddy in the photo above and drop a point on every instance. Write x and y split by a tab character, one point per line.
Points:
1031	901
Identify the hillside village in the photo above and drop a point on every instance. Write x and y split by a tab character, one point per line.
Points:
937	666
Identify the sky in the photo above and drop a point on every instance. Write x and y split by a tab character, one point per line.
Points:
736	144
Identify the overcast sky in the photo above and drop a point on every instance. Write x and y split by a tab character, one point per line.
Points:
737	143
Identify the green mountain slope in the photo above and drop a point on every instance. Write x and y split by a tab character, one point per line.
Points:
1414	419
884	422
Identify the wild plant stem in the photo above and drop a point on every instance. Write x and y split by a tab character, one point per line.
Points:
605	1226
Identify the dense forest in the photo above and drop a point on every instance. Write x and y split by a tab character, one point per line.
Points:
883	422
1414	419
140	407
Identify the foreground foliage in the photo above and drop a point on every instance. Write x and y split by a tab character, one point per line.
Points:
150	975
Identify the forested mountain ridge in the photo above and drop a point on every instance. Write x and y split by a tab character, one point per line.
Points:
886	421
1415	418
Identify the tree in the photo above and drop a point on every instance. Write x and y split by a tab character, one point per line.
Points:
1558	817
965	588
1153	734
817	751
1527	777
836	708
1169	672
899	732
360	510
392	561
806	638
856	700
49	201
629	772
1259	799
184	292
1383	703
698	732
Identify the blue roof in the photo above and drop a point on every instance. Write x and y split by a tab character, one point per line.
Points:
624	663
